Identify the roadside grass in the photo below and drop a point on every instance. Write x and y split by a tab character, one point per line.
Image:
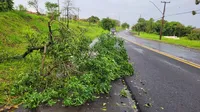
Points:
13	26
181	42
13	41
9	71
92	30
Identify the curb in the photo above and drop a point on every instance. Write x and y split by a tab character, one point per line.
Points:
132	93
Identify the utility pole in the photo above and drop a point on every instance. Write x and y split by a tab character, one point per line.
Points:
163	17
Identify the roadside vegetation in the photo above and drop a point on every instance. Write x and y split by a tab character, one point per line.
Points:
188	36
45	61
125	26
19	31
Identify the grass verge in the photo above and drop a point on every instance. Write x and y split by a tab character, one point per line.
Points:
180	42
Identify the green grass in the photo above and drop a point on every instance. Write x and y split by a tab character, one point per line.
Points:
13	28
181	42
92	30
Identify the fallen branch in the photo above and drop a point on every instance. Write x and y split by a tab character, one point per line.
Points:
41	47
43	60
30	50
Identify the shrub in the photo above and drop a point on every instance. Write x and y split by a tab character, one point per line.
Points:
194	36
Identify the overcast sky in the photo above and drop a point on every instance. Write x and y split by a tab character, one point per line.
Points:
130	10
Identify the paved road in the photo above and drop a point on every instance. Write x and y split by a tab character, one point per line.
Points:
185	53
166	85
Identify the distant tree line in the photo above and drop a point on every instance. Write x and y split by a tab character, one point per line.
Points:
170	28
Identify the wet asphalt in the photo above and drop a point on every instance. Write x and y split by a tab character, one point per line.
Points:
181	52
162	84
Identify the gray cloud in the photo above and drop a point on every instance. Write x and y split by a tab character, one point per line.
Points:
130	10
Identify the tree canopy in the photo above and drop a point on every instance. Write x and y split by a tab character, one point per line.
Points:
93	19
118	23
6	5
52	9
125	25
108	23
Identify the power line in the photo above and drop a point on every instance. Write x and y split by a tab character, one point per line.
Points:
156	7
177	14
181	13
163	15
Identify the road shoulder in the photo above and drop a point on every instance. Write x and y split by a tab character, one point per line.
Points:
112	102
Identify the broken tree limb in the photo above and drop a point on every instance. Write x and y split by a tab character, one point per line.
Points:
30	50
43	60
